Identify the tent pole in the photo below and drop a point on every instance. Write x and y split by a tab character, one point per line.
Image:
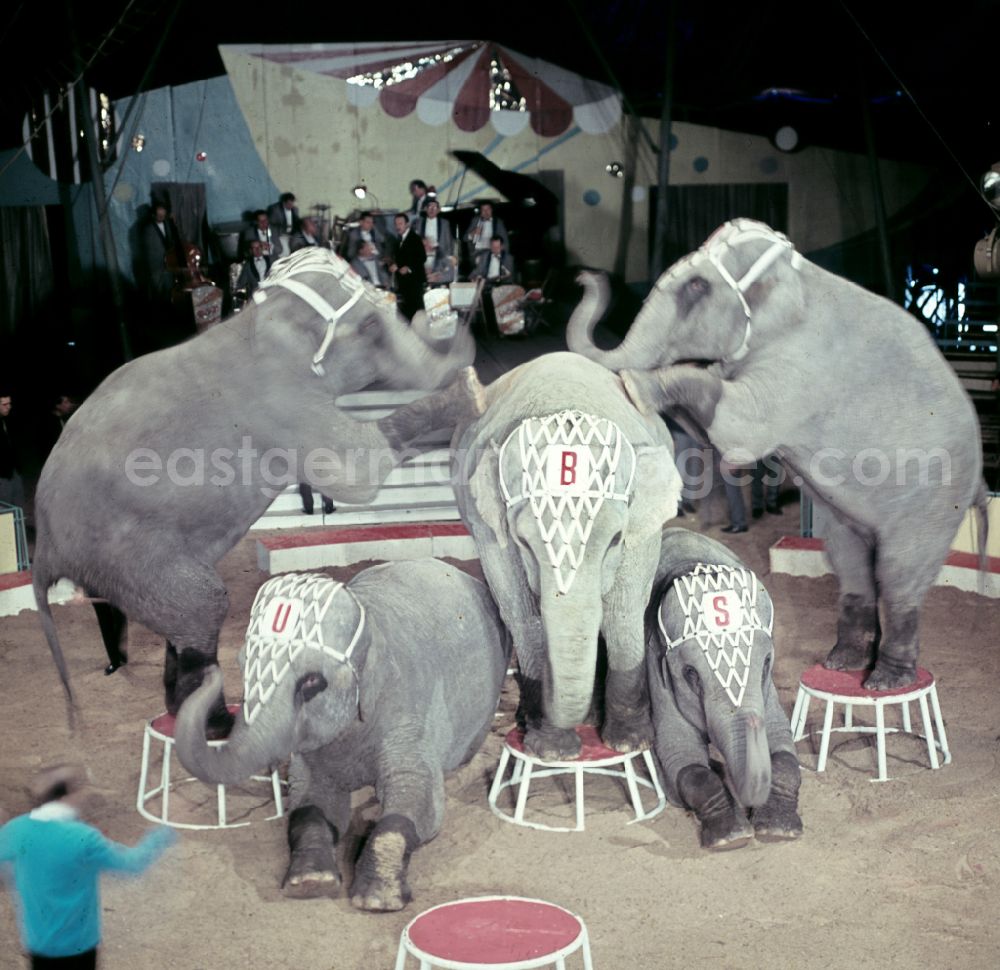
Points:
658	259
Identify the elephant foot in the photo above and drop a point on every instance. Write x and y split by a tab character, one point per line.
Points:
626	736
857	635
778	818
549	743
888	674
849	656
724	824
303	883
379	884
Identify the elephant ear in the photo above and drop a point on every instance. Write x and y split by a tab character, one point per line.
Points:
656	493
484	488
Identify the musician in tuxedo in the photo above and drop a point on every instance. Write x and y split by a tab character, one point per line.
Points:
432	225
481	230
255	269
439	268
161	253
418	198
283	217
367	251
407	267
306	235
263	232
495	265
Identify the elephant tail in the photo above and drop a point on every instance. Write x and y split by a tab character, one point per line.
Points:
981	503
40	582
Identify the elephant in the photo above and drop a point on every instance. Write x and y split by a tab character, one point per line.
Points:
564	487
847	389
390	680
709	658
167	464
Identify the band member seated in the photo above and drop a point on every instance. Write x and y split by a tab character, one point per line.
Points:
367	252
495	265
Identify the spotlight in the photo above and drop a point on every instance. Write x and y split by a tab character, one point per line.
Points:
786	138
360	190
990	186
139	142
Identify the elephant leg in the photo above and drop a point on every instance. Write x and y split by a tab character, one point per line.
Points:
114	633
460	402
907	563
318	821
778	818
519	611
628	723
724	824
187	604
853	559
412	810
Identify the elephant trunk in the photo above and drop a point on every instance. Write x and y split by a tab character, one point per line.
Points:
250	748
743	743
580	329
571	631
418	360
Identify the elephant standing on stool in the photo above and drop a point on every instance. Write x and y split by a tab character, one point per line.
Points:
849	392
391	681
564	487
709	658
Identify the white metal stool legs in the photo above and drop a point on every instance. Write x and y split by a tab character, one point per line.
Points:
160	729
845	688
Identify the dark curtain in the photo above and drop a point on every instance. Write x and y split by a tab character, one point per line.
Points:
696	211
27	280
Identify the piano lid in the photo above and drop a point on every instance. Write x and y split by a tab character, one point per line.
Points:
523	191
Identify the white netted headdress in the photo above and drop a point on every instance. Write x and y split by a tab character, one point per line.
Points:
570	464
287	618
719	604
725	239
315	259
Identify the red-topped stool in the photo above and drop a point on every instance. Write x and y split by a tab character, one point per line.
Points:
594	759
494	933
161	730
846	687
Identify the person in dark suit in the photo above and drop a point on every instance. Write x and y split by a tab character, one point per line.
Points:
307	235
254	270
407	267
264	233
161	253
11	483
283	217
495	265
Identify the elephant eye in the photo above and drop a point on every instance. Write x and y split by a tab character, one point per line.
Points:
697	286
311	684
692	678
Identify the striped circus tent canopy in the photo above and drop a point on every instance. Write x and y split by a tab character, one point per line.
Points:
469	82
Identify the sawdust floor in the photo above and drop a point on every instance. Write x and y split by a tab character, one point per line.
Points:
904	874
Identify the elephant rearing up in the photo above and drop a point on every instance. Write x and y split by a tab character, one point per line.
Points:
171	460
845	387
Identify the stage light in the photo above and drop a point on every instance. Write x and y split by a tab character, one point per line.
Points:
786	138
990	186
139	142
360	190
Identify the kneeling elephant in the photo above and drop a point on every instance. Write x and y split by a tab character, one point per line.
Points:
391	681
709	658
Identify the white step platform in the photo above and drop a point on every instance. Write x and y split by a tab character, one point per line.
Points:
419	490
16	593
801	556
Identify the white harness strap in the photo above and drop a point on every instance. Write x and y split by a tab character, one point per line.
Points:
569	465
719	604
287	618
313	259
721	242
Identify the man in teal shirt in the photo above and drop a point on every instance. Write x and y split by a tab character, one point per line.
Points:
55	860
